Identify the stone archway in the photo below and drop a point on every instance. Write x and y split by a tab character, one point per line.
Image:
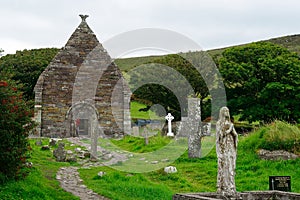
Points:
82	119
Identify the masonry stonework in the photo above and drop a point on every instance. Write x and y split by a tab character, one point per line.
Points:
82	88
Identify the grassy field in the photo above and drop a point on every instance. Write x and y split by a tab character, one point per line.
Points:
199	175
194	175
41	182
136	114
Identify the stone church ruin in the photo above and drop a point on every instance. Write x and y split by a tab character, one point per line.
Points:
82	92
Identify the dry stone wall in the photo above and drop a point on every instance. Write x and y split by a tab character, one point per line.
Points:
71	79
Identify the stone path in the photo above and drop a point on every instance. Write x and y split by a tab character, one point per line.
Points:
111	157
70	181
69	176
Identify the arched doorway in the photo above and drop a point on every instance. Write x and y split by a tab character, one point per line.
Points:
82	120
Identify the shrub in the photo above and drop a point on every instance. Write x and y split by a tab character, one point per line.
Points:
15	124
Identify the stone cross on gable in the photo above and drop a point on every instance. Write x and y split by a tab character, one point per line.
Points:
83	17
169	118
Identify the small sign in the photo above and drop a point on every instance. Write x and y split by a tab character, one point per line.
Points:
282	183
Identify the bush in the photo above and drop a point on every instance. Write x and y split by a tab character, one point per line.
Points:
15	124
27	66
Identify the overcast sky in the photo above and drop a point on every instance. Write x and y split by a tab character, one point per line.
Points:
210	23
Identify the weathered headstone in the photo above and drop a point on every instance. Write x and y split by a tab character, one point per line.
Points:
226	148
206	129
194	126
135	131
52	142
87	154
38	143
94	141
146	135
169	118
60	154
71	159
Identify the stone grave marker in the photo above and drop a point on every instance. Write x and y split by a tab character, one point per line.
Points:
135	131
169	118
146	135
52	142
193	123
206	129
282	183
38	143
60	154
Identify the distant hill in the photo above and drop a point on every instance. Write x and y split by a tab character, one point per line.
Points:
291	42
125	64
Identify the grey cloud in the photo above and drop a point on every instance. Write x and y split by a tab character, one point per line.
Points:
211	23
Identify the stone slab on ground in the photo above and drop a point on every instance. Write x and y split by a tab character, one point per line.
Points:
276	155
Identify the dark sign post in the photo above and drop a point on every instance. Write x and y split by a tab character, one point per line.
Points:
282	183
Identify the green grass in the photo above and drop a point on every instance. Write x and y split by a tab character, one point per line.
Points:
252	173
119	185
41	182
275	136
194	175
159	149
38	185
199	175
137	145
136	114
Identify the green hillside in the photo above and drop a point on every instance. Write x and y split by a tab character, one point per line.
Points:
126	64
291	42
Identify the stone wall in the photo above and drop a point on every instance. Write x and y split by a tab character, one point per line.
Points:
240	196
82	73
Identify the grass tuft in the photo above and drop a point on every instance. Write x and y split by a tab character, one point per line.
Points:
275	136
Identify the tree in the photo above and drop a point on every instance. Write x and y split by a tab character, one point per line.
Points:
262	82
15	124
157	71
27	65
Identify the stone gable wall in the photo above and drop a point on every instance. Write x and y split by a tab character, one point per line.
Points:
71	79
